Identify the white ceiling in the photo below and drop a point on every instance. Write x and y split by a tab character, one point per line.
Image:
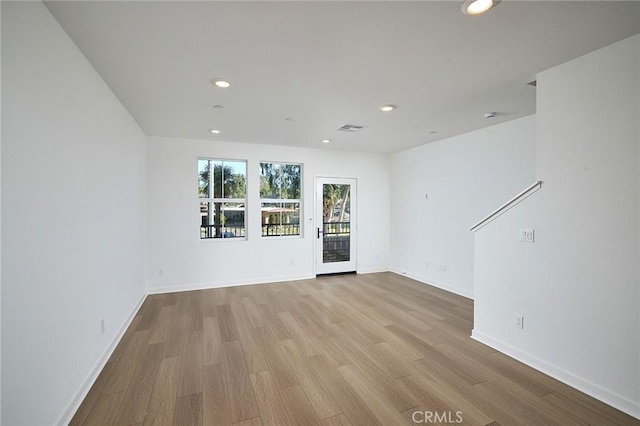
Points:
325	64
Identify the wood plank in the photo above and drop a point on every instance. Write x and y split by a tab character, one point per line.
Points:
136	399
584	413
191	367
160	329
226	323
339	420
149	312
177	336
241	398
221	296
274	324
126	339
299	334
396	396
319	396
164	394
105	410
124	369
253	353
437	396
401	358
94	393
507	408
422	342
298	407
253	312
368	392
209	303
360	352
215	396
276	361
211	342
237	309
272	409
519	373
194	310
353	407
256	421
188	410
331	352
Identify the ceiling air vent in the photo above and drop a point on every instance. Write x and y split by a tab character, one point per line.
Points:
351	128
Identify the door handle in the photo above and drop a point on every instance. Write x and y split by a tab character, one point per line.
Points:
319	232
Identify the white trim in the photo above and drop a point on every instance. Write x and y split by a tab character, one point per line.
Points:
207	286
344	266
208	240
279	201
222	200
81	394
617	401
244	200
281	237
283	200
372	270
440	285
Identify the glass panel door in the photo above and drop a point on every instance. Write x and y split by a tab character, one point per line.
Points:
336	225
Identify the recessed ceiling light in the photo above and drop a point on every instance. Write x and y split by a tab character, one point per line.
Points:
387	107
221	83
490	114
326	140
476	7
218	106
214	131
433	132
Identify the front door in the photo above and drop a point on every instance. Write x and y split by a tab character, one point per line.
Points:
335	225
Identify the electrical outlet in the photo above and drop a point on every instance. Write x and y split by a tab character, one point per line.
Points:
520	322
526	235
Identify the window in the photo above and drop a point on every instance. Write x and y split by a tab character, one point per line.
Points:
280	198
222	192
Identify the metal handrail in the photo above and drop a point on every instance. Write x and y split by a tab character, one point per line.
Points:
537	184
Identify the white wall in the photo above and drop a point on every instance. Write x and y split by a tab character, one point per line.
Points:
578	285
73	194
0	226
174	244
441	189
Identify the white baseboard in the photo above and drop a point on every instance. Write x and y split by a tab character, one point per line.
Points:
617	401
77	399
440	285
373	270
234	283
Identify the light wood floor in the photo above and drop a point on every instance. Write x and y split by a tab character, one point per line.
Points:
359	350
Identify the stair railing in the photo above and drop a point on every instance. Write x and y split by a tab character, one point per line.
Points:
537	185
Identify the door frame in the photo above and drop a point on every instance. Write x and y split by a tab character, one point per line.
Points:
335	267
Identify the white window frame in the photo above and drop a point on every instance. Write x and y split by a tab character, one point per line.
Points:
226	200
283	200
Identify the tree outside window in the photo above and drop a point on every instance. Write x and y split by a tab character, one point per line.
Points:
222	192
280	196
